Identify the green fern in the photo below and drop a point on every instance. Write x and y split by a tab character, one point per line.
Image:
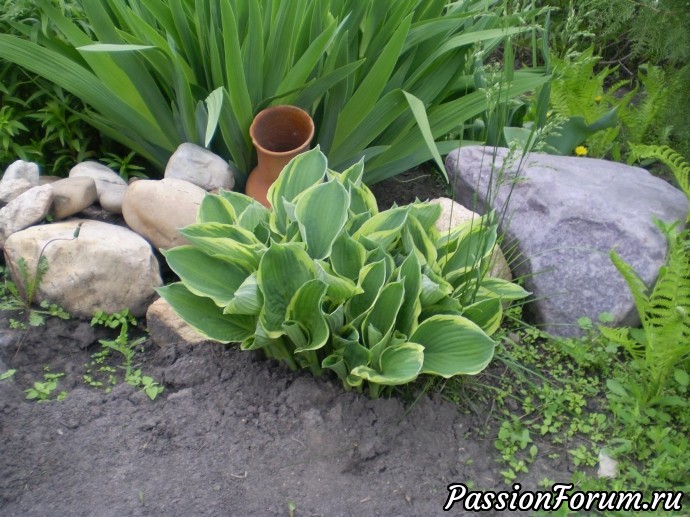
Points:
664	341
673	160
577	90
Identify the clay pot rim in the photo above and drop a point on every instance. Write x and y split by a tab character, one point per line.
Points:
281	107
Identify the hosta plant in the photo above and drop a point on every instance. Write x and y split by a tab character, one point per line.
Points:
326	281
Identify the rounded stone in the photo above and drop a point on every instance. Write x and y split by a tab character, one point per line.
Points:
158	209
72	195
201	167
106	267
102	175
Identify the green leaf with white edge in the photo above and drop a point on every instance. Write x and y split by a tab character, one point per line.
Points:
253	216
239	201
216	209
427	214
400	364
305	309
432	292
356	355
362	200
205	316
336	363
340	289
410	275
383	313
416	240
503	289
472	248
247	299
204	275
487	314
321	213
389	221
214	104
453	345
232	248
371	280
347	256
353	174
303	171
284	268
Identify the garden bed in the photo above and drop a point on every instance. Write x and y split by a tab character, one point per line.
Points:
233	434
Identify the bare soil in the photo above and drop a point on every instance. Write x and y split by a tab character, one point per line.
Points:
232	434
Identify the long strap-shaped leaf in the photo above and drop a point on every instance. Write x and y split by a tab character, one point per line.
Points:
371	87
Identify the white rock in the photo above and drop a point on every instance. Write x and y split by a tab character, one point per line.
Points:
72	195
453	214
25	210
107	267
200	166
157	209
608	467
112	197
24	170
10	189
45	180
102	175
166	327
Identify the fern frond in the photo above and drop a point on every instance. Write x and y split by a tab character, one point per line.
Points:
668	311
638	289
673	160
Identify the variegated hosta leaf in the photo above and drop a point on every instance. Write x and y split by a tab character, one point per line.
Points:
472	248
303	171
248	298
204	275
427	214
410	274
284	268
347	256
416	241
400	364
500	288
321	213
487	314
216	209
205	316
371	280
383	228
453	345
340	289
380	320
305	323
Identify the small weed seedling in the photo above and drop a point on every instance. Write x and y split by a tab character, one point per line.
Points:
7	375
43	391
101	375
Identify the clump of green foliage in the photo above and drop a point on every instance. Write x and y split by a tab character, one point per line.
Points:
43	391
12	299
326	281
99	374
382	80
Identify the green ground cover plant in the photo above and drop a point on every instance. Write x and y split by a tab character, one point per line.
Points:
326	281
100	373
382	80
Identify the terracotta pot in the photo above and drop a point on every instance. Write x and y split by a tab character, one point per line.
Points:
279	134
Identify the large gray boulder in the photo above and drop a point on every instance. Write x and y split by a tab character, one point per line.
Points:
564	215
22	170
106	267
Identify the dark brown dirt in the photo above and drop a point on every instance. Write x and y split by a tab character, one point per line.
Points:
232	434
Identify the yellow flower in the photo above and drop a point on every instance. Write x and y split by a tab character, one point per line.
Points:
581	150
598	99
